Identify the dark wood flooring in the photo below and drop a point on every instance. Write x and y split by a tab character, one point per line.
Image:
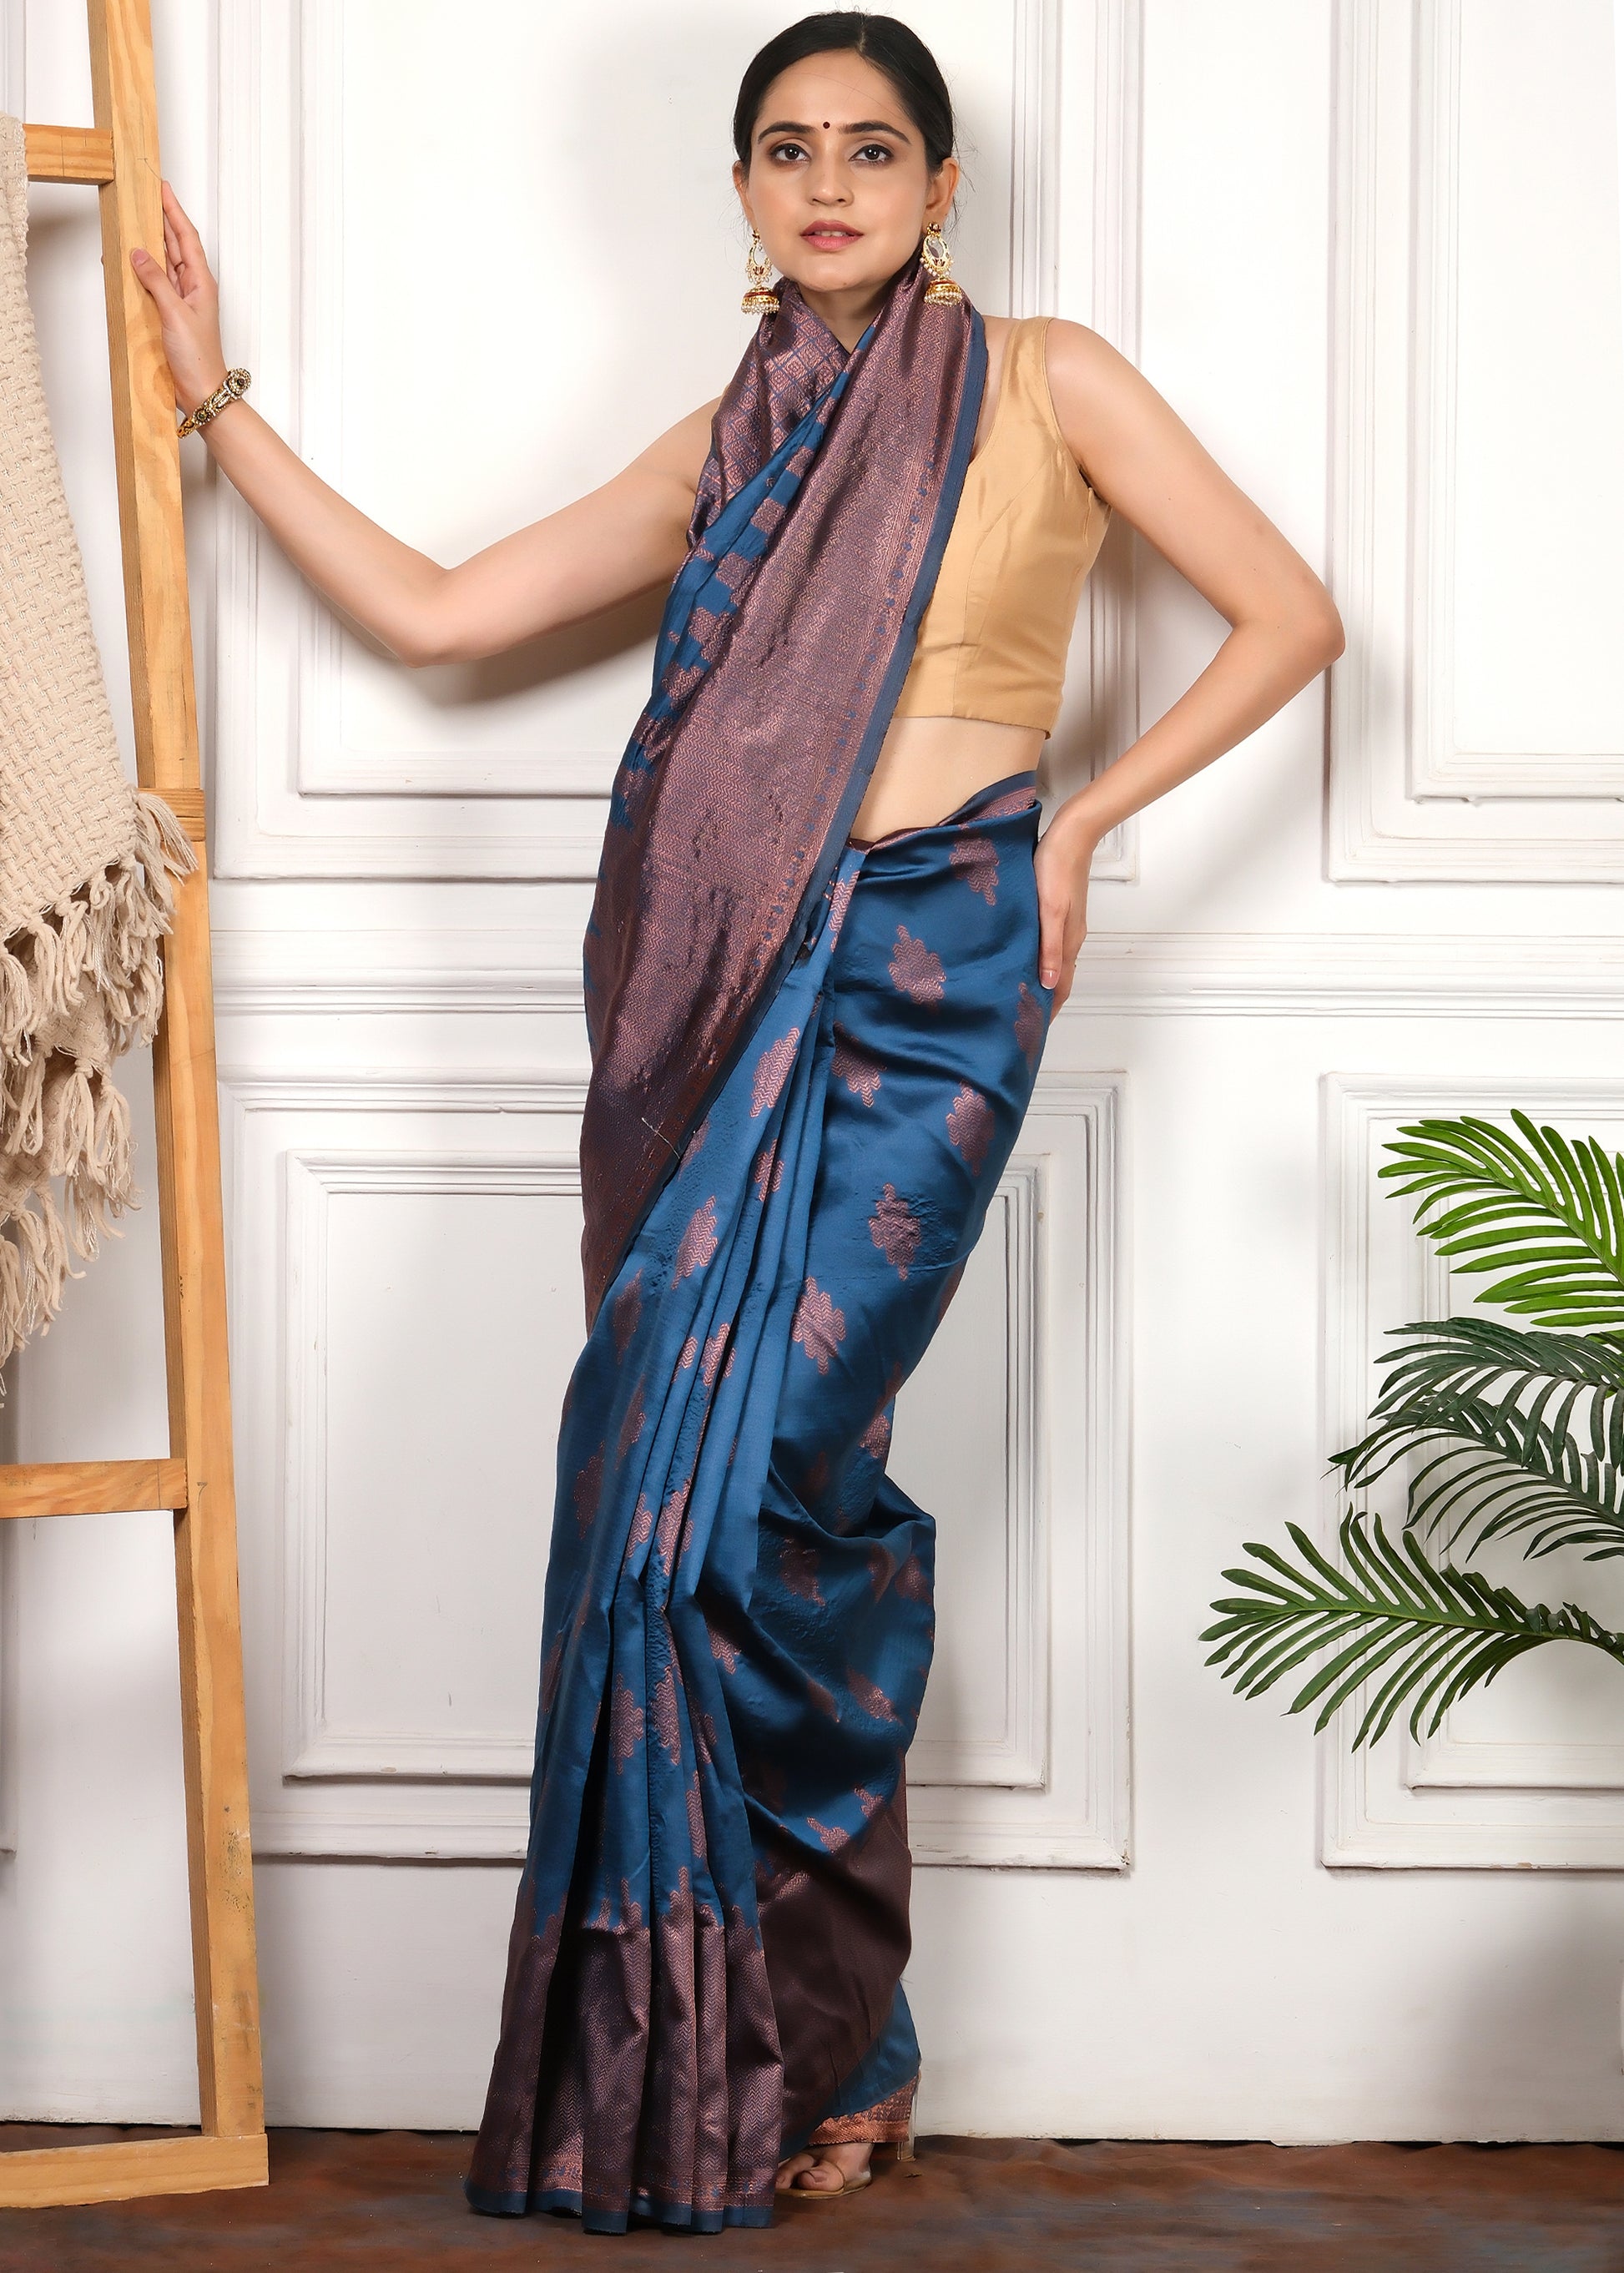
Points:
363	2199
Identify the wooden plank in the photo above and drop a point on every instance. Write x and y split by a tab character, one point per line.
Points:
121	2169
91	1487
148	457
68	154
214	1724
145	452
187	807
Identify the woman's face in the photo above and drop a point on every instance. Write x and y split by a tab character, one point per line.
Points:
838	183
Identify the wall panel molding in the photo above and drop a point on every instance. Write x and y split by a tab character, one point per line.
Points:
1459	1800
315	1742
295	1142
1408	799
535	969
1077	250
1078	1816
1047	1787
1015	1756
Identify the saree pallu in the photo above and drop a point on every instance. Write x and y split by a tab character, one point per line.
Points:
712	1920
819	522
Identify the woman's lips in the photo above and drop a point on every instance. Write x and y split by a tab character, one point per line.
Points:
830	237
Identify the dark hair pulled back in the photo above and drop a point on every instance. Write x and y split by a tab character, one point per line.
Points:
891	47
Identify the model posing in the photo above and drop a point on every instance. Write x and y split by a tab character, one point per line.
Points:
825	947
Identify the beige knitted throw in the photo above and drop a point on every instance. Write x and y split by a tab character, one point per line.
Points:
85	858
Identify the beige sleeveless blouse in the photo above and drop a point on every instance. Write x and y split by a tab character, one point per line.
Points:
992	643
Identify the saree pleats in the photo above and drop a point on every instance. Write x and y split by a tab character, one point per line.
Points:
713	1917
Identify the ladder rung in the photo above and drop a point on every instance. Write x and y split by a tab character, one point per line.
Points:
187	807
69	153
91	1487
116	2170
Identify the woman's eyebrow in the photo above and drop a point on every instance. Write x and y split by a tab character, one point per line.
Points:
856	126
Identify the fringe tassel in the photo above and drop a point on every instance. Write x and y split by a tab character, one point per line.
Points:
22	1108
34	1264
14	1301
16	999
79	984
109	1140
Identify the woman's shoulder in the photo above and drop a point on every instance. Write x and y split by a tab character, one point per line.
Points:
1091	384
1073	355
1068	359
679	452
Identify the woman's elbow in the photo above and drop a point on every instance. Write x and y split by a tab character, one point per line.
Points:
434	639
1312	627
1329	636
433	622
1320	625
1300	621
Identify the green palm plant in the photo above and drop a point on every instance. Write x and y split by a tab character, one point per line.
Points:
1509	1431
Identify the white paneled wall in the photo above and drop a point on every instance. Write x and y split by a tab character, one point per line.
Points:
1477	724
1528	1771
1369	250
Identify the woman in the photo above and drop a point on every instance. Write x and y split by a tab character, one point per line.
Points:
825	946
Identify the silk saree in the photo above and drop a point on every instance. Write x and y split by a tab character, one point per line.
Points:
811	1057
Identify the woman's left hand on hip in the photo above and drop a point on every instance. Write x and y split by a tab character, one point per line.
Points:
1061	863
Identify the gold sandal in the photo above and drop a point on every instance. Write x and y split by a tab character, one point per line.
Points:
901	2151
850	2186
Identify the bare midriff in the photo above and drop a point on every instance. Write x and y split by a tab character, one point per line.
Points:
928	766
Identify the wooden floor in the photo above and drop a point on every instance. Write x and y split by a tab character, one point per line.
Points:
391	2199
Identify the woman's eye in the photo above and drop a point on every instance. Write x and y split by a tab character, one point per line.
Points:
798	150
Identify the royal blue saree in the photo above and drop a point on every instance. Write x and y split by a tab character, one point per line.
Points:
705	1964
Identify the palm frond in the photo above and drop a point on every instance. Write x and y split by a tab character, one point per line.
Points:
1430	1632
1465	1357
1497	1469
1547	1213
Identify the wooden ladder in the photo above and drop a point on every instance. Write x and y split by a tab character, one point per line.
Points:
119	154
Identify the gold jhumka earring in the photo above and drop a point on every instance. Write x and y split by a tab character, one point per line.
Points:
934	253
761	299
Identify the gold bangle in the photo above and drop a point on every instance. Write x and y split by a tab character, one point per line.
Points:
234	386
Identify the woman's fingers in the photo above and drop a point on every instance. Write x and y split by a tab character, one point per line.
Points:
1064	928
151	274
189	330
1075	933
1051	912
1060	934
1051	939
188	270
190	243
1062	914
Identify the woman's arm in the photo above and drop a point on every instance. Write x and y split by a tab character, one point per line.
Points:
630	536
1143	460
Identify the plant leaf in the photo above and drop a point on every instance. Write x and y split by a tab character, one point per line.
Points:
1439	1632
1549	1212
1530	1454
